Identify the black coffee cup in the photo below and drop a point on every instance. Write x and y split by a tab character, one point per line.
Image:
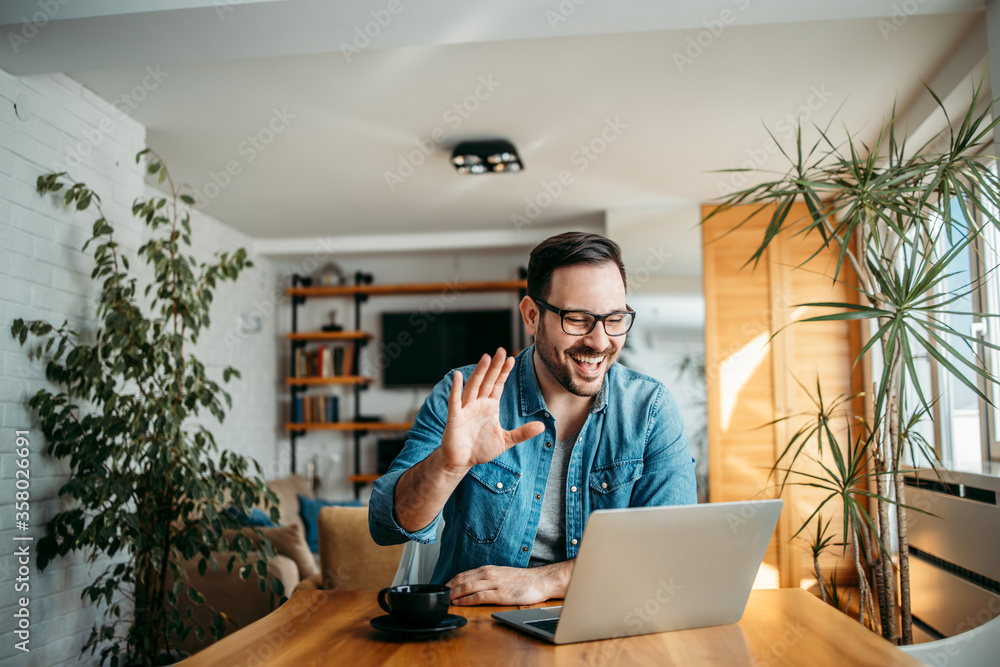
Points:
416	606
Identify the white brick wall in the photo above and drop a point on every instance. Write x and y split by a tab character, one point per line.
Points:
44	275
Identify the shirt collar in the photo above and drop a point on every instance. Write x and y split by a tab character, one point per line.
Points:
531	392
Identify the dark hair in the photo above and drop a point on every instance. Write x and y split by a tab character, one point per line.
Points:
566	250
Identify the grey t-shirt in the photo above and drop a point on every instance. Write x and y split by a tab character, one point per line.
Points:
550	539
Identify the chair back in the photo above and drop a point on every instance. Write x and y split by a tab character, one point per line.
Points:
349	559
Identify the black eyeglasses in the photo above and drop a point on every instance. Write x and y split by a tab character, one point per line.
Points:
581	323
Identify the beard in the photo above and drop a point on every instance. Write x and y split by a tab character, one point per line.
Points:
564	370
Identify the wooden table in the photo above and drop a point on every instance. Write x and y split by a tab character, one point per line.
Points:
780	627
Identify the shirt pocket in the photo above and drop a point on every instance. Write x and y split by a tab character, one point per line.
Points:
611	484
487	499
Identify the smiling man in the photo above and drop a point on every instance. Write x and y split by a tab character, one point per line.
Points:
515	453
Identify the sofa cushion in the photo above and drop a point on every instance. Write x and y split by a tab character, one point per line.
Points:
309	511
288	541
257	517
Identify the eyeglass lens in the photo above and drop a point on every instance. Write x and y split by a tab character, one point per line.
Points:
581	323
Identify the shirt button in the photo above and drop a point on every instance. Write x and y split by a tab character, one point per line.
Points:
548	415
538	496
524	549
500	485
573	541
572	489
548	444
604	485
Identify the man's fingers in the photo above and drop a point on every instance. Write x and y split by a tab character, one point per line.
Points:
526	432
497	364
476	379
455	396
508	366
479	597
469	582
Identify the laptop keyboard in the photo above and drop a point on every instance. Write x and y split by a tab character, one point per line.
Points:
547	625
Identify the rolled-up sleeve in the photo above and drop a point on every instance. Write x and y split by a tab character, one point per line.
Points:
668	476
421	440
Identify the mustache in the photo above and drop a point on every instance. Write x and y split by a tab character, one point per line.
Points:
587	351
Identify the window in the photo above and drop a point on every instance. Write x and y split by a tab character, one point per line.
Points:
989	302
958	411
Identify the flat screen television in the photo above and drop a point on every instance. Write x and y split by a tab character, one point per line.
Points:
418	349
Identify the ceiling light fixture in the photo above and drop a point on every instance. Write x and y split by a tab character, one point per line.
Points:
479	157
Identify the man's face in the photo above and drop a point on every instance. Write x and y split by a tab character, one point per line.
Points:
579	363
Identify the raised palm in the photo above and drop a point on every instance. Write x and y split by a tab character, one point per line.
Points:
473	433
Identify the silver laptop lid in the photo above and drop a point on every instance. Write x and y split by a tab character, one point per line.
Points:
656	569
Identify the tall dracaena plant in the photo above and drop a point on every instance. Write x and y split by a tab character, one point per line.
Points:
899	218
146	480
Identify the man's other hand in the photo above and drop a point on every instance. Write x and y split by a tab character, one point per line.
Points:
494	584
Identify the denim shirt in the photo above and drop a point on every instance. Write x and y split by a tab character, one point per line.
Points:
631	452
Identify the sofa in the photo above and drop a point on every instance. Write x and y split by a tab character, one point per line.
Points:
241	600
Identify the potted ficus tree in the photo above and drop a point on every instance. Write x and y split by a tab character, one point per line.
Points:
899	217
147	484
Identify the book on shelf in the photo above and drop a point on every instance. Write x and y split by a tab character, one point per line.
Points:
324	361
317	409
337	364
348	364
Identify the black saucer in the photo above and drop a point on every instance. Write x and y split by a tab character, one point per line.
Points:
388	624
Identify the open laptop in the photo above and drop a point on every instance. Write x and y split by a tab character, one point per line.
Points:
655	569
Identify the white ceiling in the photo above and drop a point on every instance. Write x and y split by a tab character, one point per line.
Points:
231	68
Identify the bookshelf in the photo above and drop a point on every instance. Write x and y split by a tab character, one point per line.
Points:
303	378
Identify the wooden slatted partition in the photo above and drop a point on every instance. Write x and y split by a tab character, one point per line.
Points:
760	370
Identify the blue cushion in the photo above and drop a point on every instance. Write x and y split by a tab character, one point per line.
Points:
309	511
257	518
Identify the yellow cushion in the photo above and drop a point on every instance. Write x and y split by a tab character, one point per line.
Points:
348	556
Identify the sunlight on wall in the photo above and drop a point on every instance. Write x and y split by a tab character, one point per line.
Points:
737	370
738	367
767	577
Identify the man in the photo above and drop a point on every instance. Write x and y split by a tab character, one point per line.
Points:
515	469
